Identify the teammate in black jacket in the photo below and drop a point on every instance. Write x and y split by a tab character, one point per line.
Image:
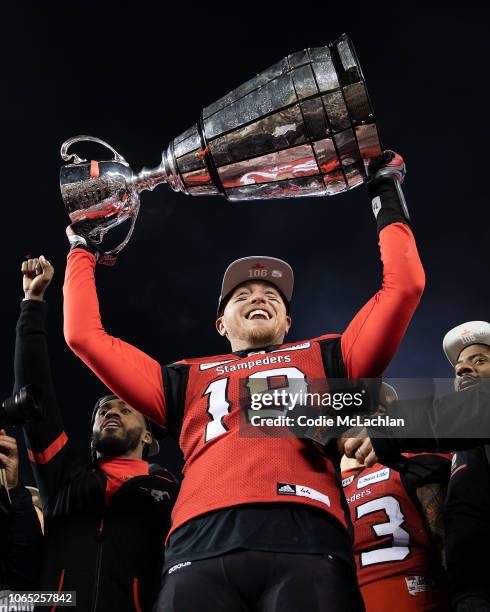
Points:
105	519
20	529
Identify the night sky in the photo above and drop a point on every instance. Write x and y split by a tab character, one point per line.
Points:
137	76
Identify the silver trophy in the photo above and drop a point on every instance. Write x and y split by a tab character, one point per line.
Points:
304	127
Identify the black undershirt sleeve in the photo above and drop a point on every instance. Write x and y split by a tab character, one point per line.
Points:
175	378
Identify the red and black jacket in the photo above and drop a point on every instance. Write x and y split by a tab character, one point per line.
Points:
109	553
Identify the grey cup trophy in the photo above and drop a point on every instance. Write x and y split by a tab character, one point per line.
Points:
304	127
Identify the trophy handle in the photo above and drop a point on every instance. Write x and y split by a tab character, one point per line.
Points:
84	138
108	258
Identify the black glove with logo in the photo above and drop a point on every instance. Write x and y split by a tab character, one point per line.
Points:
386	174
78	235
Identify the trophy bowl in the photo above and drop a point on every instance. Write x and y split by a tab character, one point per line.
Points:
303	127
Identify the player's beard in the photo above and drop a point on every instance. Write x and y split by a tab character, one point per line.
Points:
262	335
111	444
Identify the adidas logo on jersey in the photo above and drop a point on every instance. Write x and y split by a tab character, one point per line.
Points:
284	488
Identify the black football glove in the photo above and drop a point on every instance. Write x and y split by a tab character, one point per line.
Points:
78	235
386	174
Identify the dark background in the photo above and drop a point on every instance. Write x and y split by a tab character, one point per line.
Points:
137	75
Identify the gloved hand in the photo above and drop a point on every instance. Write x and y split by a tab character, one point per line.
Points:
78	237
388	163
386	174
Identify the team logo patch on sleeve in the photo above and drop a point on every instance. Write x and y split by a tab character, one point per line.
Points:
157	494
376	204
284	488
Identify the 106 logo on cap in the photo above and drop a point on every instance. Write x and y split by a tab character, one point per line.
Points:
469	336
258	271
464	335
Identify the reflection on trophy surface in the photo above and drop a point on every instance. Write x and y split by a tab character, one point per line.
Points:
304	127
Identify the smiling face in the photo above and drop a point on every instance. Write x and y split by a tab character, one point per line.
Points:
473	363
254	316
119	431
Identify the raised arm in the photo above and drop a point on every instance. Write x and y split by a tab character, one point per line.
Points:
131	374
48	447
374	334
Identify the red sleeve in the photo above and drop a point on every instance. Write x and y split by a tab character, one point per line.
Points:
130	374
374	334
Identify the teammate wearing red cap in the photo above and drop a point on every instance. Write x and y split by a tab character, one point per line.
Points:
260	521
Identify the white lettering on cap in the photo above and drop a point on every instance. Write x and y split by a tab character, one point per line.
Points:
258	271
471	335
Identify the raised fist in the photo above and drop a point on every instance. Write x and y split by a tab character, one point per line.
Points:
36	277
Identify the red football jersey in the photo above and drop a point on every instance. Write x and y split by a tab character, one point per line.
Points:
390	538
228	462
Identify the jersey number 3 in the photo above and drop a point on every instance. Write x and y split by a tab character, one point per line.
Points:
400	538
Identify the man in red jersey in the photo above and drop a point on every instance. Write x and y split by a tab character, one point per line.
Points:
260	522
398	528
